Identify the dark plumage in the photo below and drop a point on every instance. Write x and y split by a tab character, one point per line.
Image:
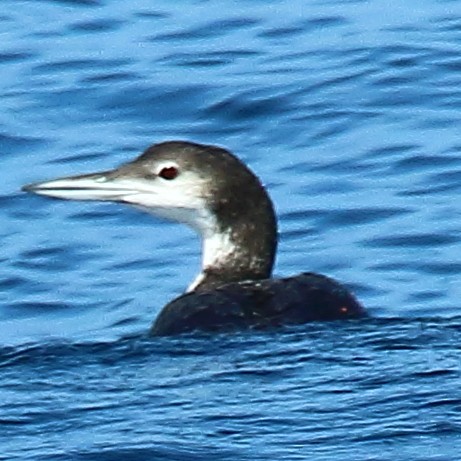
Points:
258	305
211	190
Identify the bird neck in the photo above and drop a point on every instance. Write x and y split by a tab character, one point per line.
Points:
240	245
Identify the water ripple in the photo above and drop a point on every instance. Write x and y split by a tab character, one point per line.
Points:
349	111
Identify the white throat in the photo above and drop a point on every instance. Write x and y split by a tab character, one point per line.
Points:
217	247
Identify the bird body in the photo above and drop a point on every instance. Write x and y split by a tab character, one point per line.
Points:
211	190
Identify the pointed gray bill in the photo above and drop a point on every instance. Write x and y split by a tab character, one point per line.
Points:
96	186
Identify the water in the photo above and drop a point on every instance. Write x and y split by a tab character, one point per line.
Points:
349	111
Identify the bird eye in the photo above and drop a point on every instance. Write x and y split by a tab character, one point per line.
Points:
169	172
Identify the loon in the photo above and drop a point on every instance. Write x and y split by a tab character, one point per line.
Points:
215	193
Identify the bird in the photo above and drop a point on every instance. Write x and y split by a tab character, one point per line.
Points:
211	190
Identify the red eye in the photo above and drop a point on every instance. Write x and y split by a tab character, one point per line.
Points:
169	172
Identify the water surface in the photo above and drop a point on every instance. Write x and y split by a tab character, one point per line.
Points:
349	111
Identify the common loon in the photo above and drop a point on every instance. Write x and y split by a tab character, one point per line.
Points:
216	194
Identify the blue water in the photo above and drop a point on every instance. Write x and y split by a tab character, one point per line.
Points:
349	111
